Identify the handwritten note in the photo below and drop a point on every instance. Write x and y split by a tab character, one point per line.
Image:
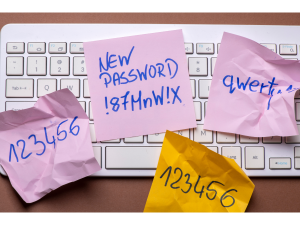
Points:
252	90
139	85
46	146
191	178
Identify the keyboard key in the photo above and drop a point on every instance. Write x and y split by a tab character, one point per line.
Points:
14	66
255	158
233	153
46	86
271	47
193	84
97	154
223	138
36	47
76	48
288	49
248	140
213	148
16	106
198	66
91	111
15	47
93	133
57	47
280	163
197	106
204	86
205	48
184	133
189	48
272	140
60	66
36	66
86	90
213	63
156	138
19	88
79	68
72	84
138	139
203	136
132	157
293	139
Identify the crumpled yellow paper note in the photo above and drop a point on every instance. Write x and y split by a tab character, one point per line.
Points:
192	178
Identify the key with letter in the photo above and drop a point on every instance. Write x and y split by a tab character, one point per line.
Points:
270	46
197	106
255	158
280	163
46	86
203	136
16	106
19	88
288	49
72	84
233	153
204	86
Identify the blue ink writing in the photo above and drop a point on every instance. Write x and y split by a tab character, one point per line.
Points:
61	136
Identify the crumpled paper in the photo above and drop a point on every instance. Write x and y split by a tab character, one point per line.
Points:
204	182
33	164
262	112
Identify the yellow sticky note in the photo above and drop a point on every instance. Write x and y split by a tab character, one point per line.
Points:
192	178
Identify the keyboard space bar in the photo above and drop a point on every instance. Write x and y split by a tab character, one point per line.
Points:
132	157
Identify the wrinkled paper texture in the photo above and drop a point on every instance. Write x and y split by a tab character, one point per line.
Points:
34	176
197	160
246	112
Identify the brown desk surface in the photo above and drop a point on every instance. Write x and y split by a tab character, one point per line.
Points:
130	194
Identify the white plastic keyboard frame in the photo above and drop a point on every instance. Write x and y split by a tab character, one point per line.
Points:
192	34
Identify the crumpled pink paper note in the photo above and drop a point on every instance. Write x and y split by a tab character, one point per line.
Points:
46	146
252	90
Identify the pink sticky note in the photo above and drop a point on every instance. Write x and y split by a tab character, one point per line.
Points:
139	85
252	90
46	146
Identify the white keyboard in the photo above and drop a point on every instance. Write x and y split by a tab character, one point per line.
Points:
37	59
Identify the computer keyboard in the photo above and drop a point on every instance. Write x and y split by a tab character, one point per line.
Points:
37	59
